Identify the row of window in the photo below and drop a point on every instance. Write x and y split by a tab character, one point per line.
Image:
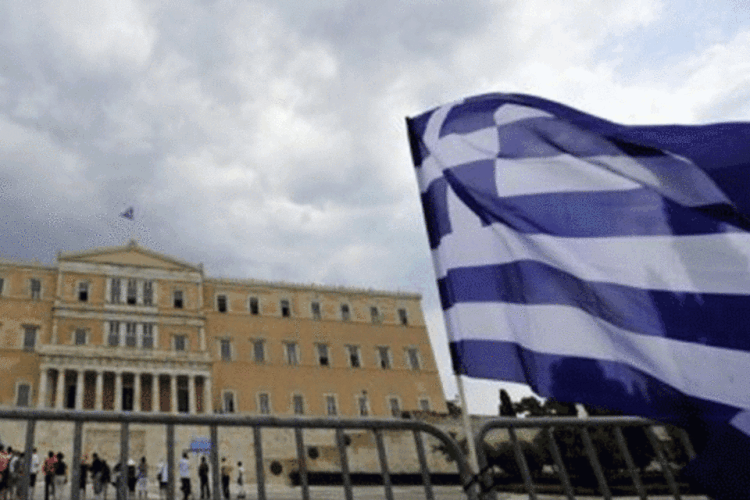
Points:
142	335
253	305
292	354
298	407
142	292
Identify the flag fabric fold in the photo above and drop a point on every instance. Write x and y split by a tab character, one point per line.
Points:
598	263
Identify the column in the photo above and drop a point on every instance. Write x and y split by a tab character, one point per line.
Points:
208	400
202	337
191	394
137	391
99	391
43	379
60	388
173	392
118	391
155	393
79	390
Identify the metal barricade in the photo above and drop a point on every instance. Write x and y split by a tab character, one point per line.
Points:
582	427
257	424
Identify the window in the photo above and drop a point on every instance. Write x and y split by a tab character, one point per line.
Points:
29	338
180	342
83	292
227	400
114	333
147	341
259	351
345	312
363	405
148	293
323	359
331	409
395	405
254	306
354	359
286	310
114	290
412	355
374	314
264	403
177	299
402	317
183	395
79	337
292	355
23	395
299	404
131	338
132	292
225	346
424	404
221	303
36	289
315	309
384	357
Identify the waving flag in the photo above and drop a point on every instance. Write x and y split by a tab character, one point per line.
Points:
598	263
128	214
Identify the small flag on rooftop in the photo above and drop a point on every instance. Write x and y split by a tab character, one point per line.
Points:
128	214
598	263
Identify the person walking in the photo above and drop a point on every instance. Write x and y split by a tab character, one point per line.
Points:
226	477
61	476
142	481
203	476
185	475
49	476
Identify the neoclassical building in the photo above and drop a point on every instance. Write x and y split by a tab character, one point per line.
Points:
128	329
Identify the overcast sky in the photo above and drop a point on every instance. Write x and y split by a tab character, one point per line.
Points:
267	139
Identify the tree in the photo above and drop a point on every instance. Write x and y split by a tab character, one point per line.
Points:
506	405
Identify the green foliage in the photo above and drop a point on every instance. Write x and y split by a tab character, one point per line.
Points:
504	456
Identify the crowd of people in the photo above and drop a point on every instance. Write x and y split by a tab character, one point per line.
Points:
226	470
97	471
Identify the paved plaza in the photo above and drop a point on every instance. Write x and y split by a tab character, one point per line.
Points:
360	493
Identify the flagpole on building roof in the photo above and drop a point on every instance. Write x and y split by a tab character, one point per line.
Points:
466	421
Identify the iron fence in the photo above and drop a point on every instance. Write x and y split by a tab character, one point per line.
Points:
257	424
578	428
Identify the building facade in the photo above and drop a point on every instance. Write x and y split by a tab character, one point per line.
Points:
128	329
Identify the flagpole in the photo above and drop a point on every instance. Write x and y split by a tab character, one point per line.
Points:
466	420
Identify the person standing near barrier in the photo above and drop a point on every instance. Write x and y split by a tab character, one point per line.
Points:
61	476
203	476
142	481
96	475
82	476
34	472
185	475
49	476
163	477
226	477
240	480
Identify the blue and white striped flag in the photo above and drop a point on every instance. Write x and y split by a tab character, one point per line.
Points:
598	263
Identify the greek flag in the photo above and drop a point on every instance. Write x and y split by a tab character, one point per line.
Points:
128	214
596	262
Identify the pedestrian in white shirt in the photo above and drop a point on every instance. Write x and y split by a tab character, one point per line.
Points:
184	467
